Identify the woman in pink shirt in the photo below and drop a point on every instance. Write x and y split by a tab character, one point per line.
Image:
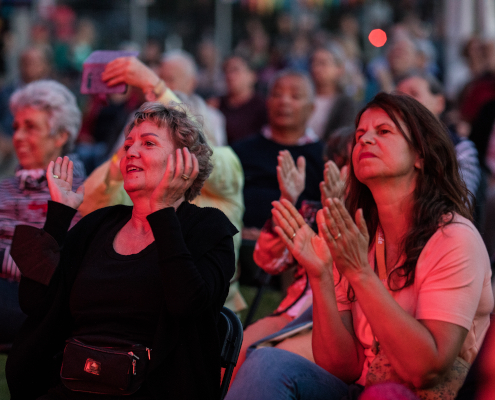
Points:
400	275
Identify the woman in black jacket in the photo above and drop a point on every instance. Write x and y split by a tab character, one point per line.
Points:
154	275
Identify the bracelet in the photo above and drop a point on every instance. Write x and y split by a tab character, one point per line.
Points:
156	92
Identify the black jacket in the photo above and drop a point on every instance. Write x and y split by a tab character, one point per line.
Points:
196	255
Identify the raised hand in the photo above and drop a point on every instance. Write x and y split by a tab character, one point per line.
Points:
59	176
348	241
333	184
291	179
182	169
131	71
309	249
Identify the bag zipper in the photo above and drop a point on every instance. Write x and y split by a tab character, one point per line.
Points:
134	361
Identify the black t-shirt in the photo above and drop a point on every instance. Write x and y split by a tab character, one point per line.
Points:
258	157
243	121
115	295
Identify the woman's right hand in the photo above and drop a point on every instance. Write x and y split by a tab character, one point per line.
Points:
333	184
59	176
309	249
291	178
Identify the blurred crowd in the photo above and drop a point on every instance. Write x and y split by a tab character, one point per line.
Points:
283	102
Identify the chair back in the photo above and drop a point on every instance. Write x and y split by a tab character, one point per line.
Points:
230	331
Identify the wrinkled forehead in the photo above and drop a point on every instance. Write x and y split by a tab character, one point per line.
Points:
376	116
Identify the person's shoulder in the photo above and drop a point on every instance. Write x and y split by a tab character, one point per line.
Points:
245	145
192	216
456	237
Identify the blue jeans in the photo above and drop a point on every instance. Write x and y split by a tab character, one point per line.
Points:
270	373
11	316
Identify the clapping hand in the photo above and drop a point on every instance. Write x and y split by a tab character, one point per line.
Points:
291	179
59	176
309	249
348	241
333	184
182	169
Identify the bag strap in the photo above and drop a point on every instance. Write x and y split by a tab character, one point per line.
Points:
380	253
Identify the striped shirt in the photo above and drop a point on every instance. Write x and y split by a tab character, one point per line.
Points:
24	200
469	166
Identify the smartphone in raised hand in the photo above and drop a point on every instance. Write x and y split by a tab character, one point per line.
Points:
94	66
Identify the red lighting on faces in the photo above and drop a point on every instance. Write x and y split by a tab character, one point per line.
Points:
377	37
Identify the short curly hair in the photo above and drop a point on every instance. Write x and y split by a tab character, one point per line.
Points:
185	132
57	101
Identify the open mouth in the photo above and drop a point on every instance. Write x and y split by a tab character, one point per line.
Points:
131	168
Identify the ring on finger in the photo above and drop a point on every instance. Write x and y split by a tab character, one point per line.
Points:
293	236
56	176
337	237
185	177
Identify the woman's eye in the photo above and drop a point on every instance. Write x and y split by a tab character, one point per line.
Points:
149	144
384	131
126	147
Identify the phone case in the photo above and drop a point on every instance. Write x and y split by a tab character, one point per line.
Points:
94	66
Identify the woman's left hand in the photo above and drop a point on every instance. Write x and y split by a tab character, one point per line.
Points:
182	169
348	241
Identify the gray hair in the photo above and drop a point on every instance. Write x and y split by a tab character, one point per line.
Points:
335	49
294	72
187	59
57	101
185	132
434	85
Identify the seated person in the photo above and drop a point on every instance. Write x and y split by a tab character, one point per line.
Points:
403	287
429	92
222	189
290	104
46	124
243	108
271	254
151	278
333	109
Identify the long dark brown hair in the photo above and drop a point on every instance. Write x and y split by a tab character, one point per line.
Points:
440	191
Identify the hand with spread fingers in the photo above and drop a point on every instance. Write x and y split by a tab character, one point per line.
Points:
309	249
348	241
59	176
333	184
182	169
291	178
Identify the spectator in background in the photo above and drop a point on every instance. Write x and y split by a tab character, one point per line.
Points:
243	108
46	123
349	38
333	109
151	54
210	78
402	58
480	90
180	73
255	47
429	92
290	103
34	64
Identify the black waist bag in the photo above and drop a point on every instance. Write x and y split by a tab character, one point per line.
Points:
104	370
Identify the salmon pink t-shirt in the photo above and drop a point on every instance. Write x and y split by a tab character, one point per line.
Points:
452	284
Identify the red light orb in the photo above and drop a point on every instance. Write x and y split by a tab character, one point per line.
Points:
377	37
